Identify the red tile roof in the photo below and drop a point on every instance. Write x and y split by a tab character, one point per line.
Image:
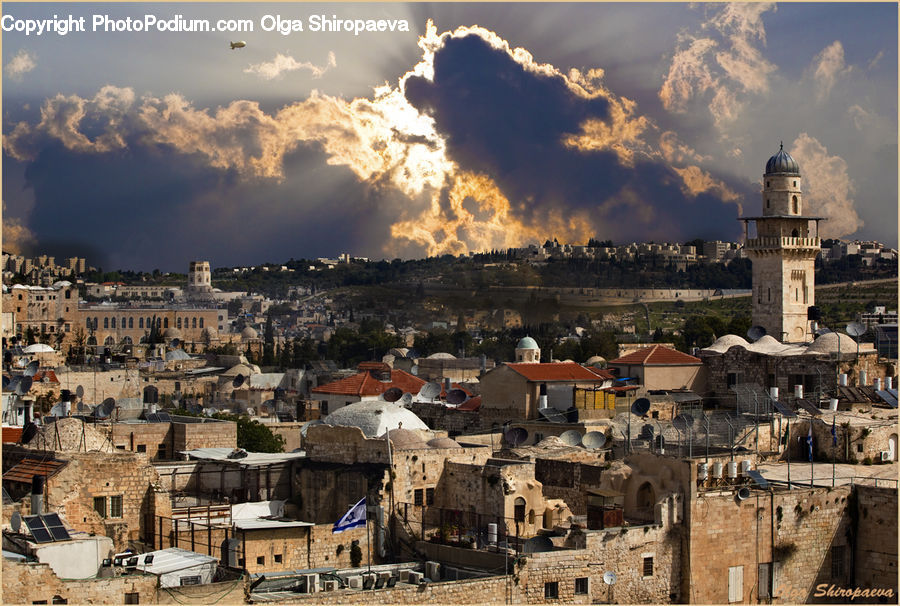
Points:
602	373
470	404
29	467
48	374
364	384
658	355
557	371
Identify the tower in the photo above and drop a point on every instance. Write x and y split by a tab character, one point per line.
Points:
783	251
527	350
199	278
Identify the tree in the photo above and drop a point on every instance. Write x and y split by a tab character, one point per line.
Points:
253	436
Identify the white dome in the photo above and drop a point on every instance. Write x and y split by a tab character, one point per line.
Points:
249	333
375	417
726	342
441	356
527	343
828	344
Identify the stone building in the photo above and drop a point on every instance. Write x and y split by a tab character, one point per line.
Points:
660	367
783	251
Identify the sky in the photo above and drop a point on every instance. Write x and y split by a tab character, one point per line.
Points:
406	130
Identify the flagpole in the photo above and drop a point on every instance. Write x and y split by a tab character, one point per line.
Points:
368	546
812	471
788	443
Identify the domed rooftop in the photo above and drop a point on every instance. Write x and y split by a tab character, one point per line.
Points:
782	163
375	417
527	343
404	439
828	344
441	356
726	342
172	333
239	369
249	333
596	361
443	443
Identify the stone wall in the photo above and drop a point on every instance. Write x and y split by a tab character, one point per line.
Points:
303	548
218	434
492	590
223	592
290	432
876	538
794	530
454	422
164	441
25	583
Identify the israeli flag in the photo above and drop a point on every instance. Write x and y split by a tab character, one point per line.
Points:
354	518
809	442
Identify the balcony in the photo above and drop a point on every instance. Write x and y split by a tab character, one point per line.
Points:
789	243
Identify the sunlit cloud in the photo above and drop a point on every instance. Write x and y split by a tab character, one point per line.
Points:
21	63
277	67
16	237
827	67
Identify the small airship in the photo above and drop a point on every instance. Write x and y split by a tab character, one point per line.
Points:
239	44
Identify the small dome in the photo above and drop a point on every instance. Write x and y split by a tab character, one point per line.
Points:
441	356
62	284
404	439
527	343
596	361
828	344
249	333
239	369
726	342
782	163
443	443
172	333
399	352
375	417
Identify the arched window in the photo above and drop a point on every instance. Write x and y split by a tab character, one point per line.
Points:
113	323
178	323
131	322
201	322
165	322
158	322
88	324
109	342
194	322
126	340
531	516
92	340
105	322
95	322
796	205
646	497
519	511
140	322
795	234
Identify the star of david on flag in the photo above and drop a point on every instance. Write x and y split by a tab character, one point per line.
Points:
354	518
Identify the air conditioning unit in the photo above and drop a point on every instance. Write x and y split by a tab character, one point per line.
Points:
433	570
414	578
404	575
885	455
329	585
312	583
355	582
383	577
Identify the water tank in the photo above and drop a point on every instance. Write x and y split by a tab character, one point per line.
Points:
717	469
876	383
863	378
832	406
492	533
798	391
745	467
731	470
773	393
889	382
542	401
842	379
702	471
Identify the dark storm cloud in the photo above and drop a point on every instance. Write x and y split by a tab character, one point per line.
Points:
510	122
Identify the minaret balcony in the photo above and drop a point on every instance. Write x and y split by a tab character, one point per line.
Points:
788	243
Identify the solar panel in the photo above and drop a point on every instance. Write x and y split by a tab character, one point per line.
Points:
55	526
285	417
152	417
757	477
808	407
38	531
552	415
888	397
783	409
163	417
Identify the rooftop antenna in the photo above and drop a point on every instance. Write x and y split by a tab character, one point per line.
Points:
31	369
238	381
105	409
406	399
15	521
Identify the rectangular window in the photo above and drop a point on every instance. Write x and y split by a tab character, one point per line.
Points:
261	560
417	496
142	448
191	580
100	506
278	558
732	379
161	451
765	580
837	562
581	586
735	584
551	590
429	496
115	506
133	598
648	567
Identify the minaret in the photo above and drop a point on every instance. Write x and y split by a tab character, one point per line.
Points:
783	252
199	279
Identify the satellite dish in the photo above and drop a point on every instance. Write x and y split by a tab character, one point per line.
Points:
23	386
208	412
406	399
593	439
414	370
238	381
538	544
516	436
609	577
430	391
456	397
15	521
58	410
175	343
105	409
743	493
856	329
31	369
79	391
822	330
393	394
683	421
571	437
756	333
14	383
640	407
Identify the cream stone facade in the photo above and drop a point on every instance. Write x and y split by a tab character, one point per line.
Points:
783	252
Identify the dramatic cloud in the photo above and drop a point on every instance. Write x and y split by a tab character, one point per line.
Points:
22	63
828	189
17	239
723	68
276	68
827	67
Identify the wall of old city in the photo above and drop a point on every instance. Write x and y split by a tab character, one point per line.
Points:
792	530
875	559
28	583
491	590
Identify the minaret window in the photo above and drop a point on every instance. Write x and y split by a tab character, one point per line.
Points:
795	233
796	205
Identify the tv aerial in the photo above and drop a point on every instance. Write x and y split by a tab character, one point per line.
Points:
79	391
756	333
406	399
640	407
24	386
15	521
105	409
